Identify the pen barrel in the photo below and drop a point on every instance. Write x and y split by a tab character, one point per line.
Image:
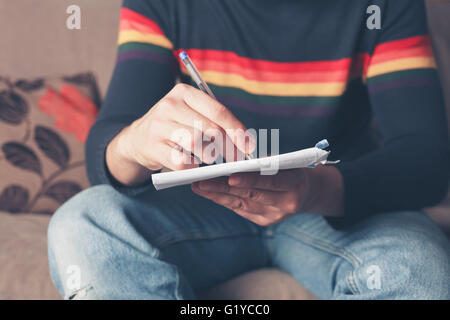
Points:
196	77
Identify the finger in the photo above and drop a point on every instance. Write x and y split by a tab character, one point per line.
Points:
174	158
216	112
280	199
286	180
181	135
260	219
235	203
202	128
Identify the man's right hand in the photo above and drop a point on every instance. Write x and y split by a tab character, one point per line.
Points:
158	138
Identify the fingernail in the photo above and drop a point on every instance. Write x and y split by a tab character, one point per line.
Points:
234	181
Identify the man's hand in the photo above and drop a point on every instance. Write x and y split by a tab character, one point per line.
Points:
266	200
151	142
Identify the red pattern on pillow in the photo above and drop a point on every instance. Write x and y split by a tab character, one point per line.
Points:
73	112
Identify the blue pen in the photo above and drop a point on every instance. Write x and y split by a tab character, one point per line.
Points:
195	75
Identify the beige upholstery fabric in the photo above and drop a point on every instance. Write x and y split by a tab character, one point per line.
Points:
36	42
23	258
263	284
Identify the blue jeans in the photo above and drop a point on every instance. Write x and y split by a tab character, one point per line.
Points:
171	244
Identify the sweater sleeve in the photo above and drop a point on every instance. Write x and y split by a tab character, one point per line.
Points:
145	71
411	169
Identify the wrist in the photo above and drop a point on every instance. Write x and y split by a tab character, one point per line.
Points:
122	164
122	147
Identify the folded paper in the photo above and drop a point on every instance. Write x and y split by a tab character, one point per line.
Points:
266	166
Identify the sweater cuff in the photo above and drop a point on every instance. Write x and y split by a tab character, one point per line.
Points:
98	171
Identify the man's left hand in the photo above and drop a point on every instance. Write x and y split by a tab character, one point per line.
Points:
268	199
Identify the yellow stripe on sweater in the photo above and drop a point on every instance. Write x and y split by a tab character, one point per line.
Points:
401	65
136	36
330	89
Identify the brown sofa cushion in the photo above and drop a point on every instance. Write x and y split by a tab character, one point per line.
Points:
43	126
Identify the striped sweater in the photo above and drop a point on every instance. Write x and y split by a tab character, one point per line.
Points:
309	68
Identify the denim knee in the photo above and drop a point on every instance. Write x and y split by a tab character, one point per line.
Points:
88	205
71	242
409	262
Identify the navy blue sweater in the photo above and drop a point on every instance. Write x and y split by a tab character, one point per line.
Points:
313	69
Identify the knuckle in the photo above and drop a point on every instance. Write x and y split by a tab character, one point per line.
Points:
263	222
152	128
292	205
221	112
230	203
253	195
179	160
168	104
147	161
181	88
213	129
241	205
178	166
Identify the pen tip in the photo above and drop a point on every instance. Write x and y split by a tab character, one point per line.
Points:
183	55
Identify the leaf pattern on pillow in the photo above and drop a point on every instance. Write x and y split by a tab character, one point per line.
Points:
52	145
30	85
13	108
62	191
19	155
14	198
72	112
82	78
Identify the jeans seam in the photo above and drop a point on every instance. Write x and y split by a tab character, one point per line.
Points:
341	252
352	283
177	284
168	240
324	245
266	236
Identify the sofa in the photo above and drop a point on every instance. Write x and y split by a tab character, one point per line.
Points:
35	43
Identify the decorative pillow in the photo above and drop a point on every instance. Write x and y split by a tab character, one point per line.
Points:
44	124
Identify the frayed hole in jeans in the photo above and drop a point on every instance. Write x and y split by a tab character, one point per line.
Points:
80	293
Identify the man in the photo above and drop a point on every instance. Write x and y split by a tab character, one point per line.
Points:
312	69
